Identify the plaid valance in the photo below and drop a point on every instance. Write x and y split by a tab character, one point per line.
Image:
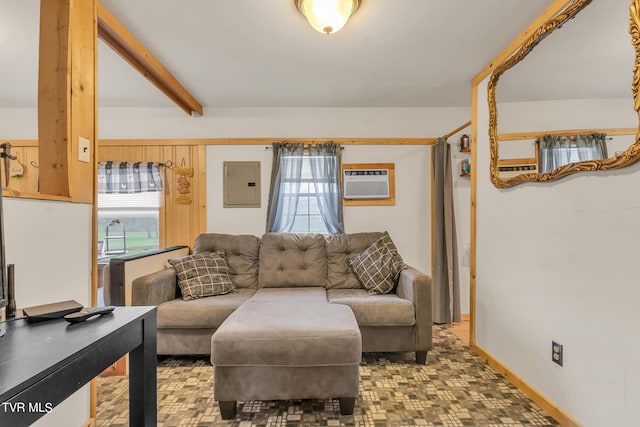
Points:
127	177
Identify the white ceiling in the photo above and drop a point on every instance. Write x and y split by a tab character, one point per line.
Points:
259	53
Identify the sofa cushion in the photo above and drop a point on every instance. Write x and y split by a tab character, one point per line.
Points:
379	266
292	260
201	313
292	295
341	247
286	334
202	275
375	310
241	254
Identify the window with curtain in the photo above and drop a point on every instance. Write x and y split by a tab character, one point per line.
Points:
305	194
555	151
307	217
129	200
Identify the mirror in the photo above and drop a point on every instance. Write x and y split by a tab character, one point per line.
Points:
577	74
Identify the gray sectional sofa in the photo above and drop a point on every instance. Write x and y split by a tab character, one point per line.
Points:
272	268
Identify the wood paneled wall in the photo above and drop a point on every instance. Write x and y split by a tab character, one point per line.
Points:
179	223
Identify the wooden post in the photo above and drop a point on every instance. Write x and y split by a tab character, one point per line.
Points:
67	97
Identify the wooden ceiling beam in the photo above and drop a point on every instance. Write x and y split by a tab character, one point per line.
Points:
125	44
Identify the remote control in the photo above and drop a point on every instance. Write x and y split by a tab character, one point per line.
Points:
87	313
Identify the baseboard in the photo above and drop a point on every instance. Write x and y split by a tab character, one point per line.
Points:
91	422
465	317
538	398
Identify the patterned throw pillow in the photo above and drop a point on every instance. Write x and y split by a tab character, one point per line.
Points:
203	275
378	267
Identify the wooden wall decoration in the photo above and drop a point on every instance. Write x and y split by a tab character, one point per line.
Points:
183	186
26	152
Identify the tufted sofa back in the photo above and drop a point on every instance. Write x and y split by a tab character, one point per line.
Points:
280	260
292	260
241	254
340	247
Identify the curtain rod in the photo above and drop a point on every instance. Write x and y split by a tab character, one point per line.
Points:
269	147
608	138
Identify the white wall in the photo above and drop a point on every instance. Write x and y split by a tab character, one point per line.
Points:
18	123
566	114
50	245
236	220
557	261
408	222
280	122
410	216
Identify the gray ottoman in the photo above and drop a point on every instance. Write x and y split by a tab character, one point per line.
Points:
270	350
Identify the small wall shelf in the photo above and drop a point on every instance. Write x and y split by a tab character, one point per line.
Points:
465	167
465	144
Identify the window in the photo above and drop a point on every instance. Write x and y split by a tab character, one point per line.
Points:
304	195
308	218
129	201
137	229
556	151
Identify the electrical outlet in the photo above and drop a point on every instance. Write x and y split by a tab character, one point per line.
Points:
556	352
83	149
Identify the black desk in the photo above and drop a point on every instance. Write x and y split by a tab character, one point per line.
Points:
41	364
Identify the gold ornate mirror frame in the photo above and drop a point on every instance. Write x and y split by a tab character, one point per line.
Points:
628	157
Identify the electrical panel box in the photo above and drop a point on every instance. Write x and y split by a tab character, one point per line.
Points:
241	184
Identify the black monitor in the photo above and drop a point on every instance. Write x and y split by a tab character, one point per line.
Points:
3	267
5	155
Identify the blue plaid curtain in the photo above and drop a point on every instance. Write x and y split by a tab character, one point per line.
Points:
127	177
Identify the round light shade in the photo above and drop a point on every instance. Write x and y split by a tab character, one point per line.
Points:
327	16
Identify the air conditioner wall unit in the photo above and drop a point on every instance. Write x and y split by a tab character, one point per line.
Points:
366	183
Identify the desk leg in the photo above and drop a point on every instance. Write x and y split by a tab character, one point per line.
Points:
143	392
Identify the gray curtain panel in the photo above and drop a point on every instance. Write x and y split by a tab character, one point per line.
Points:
555	151
446	280
286	170
325	170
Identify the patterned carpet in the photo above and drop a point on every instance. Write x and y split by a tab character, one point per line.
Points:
454	389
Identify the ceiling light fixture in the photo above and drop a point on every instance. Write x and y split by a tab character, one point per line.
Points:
327	16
